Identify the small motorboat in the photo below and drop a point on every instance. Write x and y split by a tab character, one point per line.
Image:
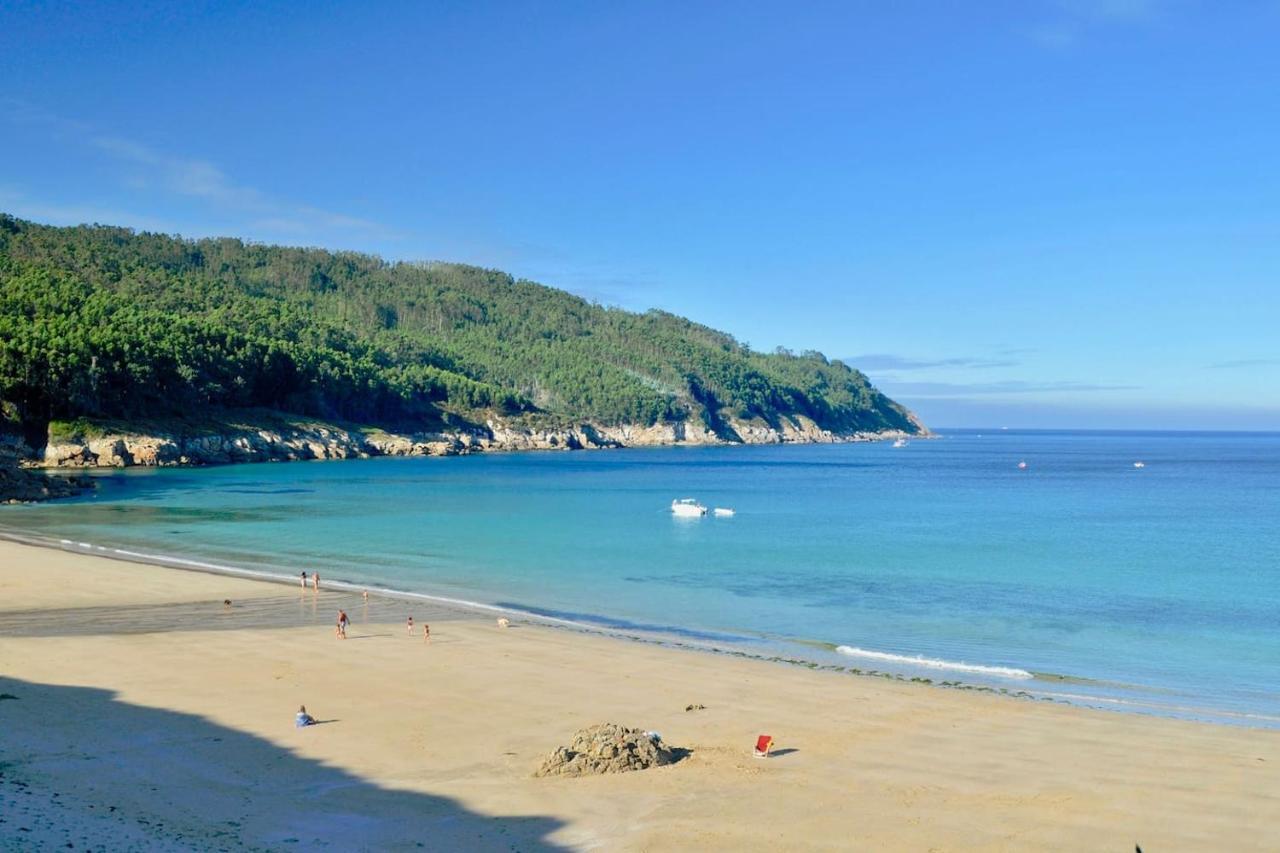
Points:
1022	466
724	511
688	507
902	442
1139	465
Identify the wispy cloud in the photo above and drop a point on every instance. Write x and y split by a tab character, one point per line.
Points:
1067	22
621	291
1110	11
147	167
908	377
20	204
1243	362
889	362
956	390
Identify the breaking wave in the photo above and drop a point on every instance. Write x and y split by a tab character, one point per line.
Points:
935	663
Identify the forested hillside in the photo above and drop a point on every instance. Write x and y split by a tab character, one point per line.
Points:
100	322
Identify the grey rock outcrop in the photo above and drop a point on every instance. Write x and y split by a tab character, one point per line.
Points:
607	748
324	441
19	485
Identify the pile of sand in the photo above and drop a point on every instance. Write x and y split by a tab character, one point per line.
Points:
607	748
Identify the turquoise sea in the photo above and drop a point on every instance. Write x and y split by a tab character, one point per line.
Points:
1081	577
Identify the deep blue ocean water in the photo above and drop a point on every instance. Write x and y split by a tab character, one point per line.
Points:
1153	589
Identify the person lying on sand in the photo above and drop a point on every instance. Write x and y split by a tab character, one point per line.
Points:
303	718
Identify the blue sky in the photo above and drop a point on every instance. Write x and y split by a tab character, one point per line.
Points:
1037	213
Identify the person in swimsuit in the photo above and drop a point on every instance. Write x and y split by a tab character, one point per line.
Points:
408	626
303	577
315	581
426	633
342	624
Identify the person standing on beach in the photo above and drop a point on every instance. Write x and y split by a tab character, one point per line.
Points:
408	626
315	581
426	633
342	624
303	576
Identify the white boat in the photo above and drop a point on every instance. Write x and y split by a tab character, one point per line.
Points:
1139	465
1022	466
902	442
688	507
723	511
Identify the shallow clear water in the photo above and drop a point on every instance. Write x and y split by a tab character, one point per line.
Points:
1158	588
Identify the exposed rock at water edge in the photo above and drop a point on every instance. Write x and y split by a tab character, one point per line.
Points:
326	441
19	485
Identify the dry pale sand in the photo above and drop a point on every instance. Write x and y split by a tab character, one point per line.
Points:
148	717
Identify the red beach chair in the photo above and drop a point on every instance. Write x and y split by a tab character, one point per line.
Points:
764	743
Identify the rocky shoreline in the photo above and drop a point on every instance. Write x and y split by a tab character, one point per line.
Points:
325	441
21	485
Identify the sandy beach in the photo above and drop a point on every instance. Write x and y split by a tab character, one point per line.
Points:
138	712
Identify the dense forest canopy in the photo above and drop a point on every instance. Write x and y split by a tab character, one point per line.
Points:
102	322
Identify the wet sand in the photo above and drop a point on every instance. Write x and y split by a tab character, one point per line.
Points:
148	715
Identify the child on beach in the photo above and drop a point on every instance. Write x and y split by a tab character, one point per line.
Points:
426	633
303	718
408	626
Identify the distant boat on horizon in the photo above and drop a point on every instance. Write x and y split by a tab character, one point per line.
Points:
1139	465
724	511
1022	466
688	507
902	442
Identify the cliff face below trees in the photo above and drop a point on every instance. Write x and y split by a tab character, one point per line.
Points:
323	441
19	485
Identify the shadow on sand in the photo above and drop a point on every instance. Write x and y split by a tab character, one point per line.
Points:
146	777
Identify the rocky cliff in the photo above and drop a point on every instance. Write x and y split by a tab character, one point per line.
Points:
18	485
321	441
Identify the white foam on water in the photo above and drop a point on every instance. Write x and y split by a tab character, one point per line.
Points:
936	663
1192	710
918	661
